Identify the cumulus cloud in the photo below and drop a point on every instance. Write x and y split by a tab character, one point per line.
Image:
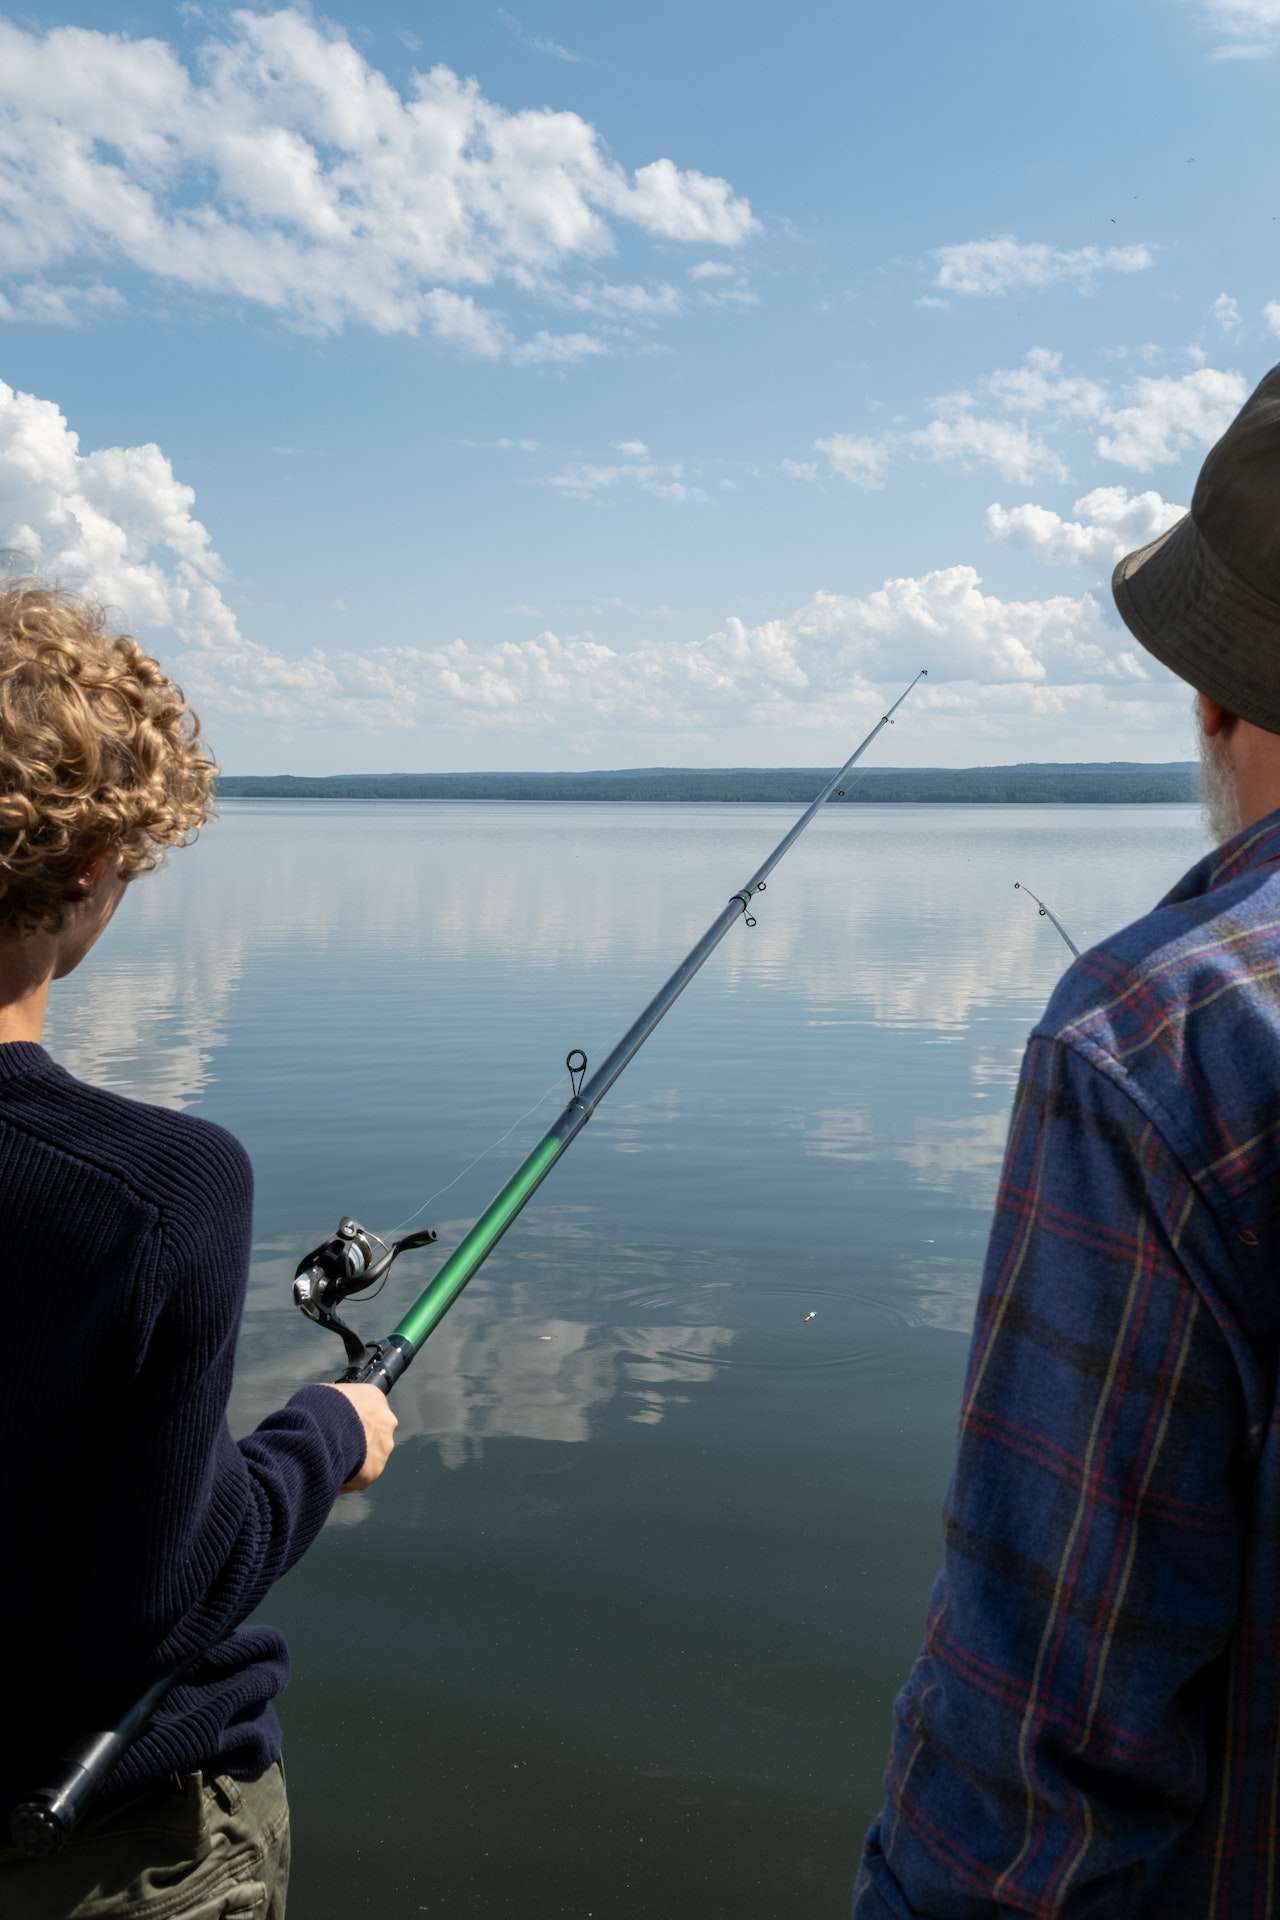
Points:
1110	523
283	169
1149	422
1040	386
972	439
1226	311
118	522
984	269
1166	418
857	458
629	302
40	303
801	469
1251	27
583	478
1271	314
827	658
557	349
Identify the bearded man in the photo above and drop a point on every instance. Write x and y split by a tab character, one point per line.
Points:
1092	1728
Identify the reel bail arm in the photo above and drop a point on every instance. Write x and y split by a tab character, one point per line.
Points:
349	1262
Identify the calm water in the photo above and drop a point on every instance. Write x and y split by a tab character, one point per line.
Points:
618	1632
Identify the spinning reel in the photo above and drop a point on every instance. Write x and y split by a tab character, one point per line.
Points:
351	1262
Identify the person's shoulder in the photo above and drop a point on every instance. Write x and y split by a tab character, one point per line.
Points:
1181	1005
166	1157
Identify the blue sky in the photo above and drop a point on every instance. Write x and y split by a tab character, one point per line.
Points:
588	386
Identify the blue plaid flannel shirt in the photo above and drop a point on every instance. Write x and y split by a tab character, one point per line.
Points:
1092	1728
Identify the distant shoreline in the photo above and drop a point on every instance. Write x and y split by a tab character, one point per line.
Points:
1099	783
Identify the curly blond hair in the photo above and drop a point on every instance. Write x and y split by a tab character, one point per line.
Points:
100	755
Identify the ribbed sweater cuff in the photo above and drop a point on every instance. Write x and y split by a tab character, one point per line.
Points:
341	1427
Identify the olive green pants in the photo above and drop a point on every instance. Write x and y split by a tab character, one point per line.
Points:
192	1850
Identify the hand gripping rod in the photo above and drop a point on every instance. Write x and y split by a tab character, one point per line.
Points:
390	1357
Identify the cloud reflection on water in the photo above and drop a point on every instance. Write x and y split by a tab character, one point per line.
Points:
502	1365
407	951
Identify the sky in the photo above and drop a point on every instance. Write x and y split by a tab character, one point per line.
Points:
581	386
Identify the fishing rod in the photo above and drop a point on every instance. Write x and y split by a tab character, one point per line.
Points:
354	1260
1048	913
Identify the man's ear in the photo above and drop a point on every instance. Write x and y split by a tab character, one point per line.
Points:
91	874
1214	718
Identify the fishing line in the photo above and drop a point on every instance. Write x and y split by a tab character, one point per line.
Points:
432	1197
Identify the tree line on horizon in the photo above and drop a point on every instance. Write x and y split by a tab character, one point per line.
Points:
1033	782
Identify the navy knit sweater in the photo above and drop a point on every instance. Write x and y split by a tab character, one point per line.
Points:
137	1534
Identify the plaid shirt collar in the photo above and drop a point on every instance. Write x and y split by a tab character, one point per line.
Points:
1257	845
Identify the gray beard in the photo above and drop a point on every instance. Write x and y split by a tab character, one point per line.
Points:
1219	801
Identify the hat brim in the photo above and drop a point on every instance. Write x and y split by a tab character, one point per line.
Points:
1203	621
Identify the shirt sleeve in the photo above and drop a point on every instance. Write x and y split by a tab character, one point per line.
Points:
213	1522
1048	1744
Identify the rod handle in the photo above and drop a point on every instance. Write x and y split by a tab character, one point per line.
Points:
385	1362
39	1824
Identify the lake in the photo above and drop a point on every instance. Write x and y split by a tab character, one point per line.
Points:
618	1631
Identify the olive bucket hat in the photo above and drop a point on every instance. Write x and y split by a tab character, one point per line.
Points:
1205	597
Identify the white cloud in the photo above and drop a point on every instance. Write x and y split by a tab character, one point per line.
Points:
856	458
1271	314
631	449
283	169
1151	422
119	523
1147	423
973	439
712	270
585	478
557	349
536	44
1111	522
1226	311
40	303
1003	264
631	302
1252	28
455	317
1169	417
801	469
1039	386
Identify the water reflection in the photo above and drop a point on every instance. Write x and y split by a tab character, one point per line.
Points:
902	917
519	1358
149	1013
365	992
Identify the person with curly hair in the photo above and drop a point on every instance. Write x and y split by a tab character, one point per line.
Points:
139	1535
